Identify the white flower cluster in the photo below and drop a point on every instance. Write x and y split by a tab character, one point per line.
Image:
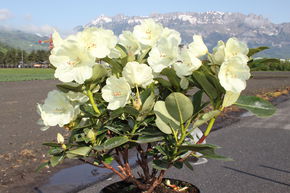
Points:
234	70
75	59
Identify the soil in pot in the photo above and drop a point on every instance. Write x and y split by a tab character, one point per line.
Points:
124	187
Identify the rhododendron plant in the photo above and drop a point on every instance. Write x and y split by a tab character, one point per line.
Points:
143	92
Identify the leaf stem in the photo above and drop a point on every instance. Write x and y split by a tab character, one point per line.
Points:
92	100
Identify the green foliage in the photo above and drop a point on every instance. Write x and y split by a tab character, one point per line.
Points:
269	64
253	51
179	106
256	105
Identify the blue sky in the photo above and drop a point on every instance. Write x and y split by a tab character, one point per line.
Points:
37	15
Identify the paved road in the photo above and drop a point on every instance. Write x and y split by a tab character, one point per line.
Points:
260	148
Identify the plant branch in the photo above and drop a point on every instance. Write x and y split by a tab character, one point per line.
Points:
123	177
92	101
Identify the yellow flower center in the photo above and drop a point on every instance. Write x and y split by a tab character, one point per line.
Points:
74	62
117	93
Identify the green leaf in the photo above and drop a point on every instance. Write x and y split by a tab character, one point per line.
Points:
55	151
71	86
164	120
116	67
163	82
71	156
55	160
178	164
205	118
131	111
114	130
197	99
88	109
209	89
210	153
148	139
179	106
108	159
98	72
122	50
160	164
115	142
256	105
172	77
41	166
188	165
83	151
198	147
253	51
148	104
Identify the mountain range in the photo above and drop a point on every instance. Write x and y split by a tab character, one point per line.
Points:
22	40
213	26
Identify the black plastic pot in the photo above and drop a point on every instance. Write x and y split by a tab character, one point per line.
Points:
124	187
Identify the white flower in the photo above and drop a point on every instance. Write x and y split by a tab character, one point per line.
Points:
130	43
235	47
188	63
233	73
218	55
148	32
230	98
138	74
72	62
170	33
99	42
57	109
116	92
197	47
164	54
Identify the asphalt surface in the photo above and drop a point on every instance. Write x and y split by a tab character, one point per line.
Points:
260	148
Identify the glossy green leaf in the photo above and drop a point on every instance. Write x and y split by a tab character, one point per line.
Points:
148	104
253	51
148	139
178	164
83	151
98	72
188	165
163	119
115	142
71	86
198	147
55	160
210	154
41	166
116	67
108	159
209	89
179	106
256	105
172	77
160	164
163	82
205	118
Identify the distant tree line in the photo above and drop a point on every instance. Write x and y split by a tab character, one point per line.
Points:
266	64
13	58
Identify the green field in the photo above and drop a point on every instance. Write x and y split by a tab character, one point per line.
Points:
20	74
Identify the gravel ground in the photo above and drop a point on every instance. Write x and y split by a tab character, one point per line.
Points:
20	145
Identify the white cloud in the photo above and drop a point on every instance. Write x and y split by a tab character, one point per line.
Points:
43	29
5	14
